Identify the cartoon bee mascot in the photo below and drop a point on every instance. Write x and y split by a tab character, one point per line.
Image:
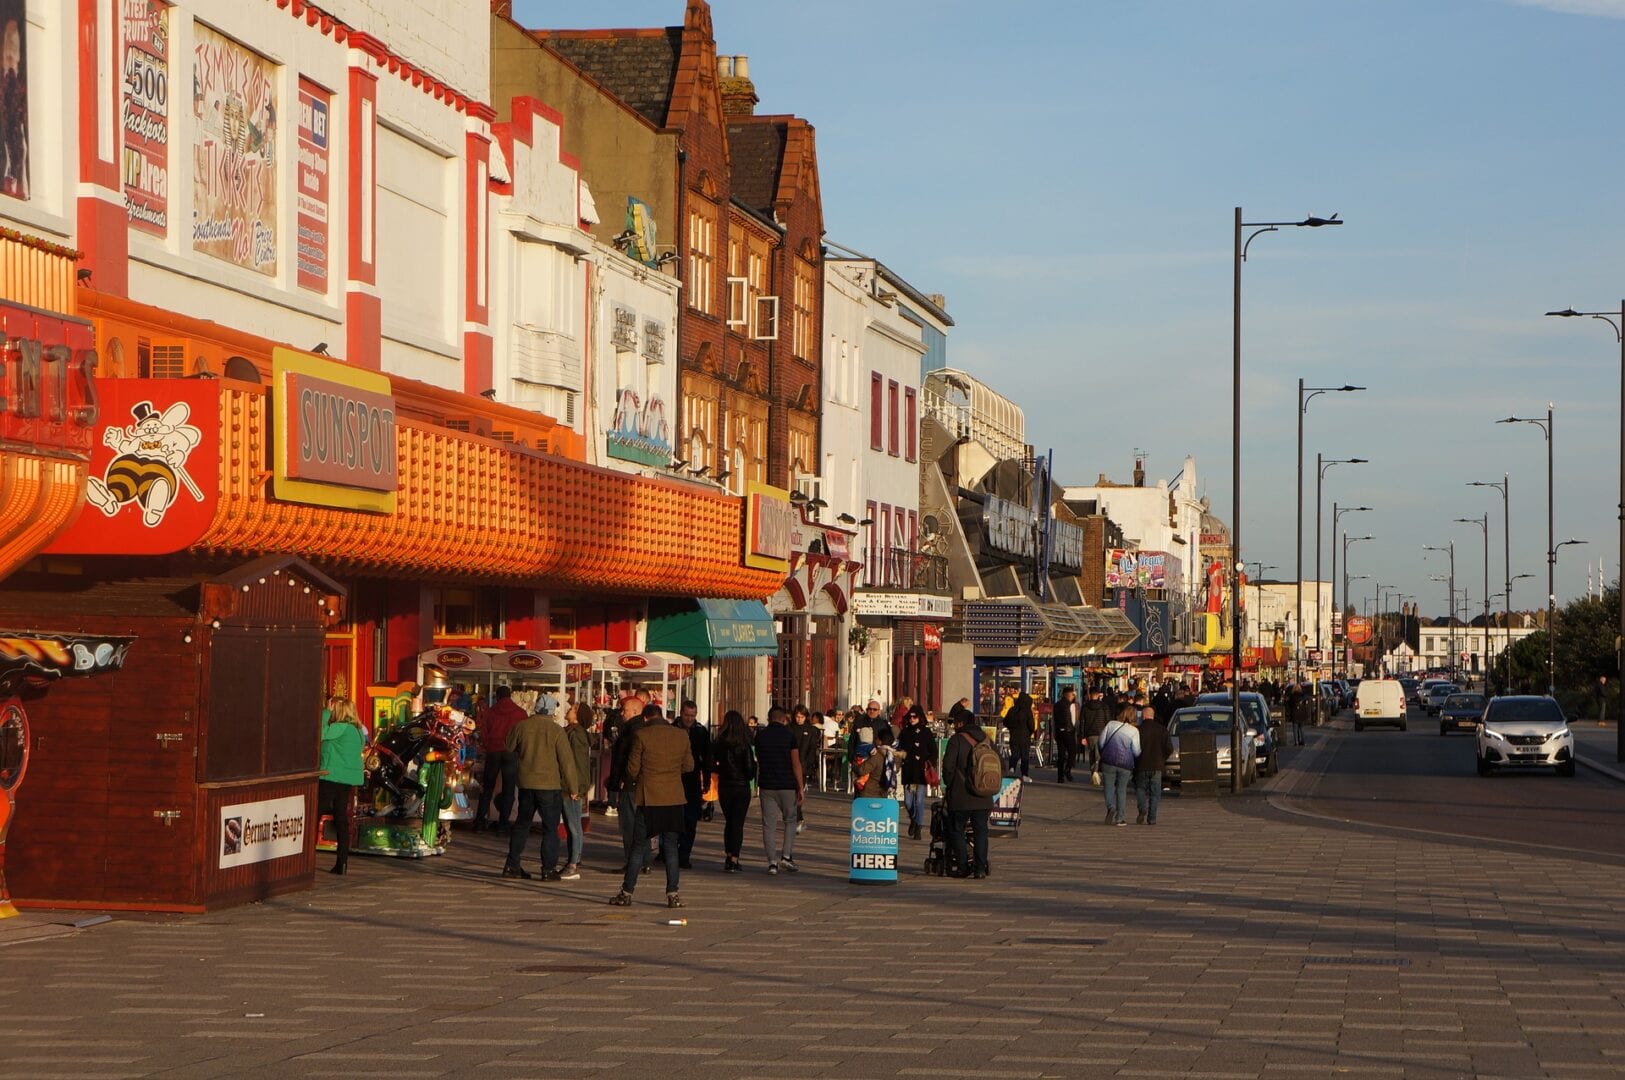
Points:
151	460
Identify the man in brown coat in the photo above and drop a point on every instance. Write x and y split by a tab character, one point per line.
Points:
547	770
659	756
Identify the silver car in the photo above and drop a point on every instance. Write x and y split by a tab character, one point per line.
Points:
1218	720
1525	731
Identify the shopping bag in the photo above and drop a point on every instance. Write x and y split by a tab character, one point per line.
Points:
1094	778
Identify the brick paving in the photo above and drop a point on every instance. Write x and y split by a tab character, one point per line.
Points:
1231	940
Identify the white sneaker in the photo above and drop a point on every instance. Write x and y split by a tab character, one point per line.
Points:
570	873
610	811
773	868
800	825
789	864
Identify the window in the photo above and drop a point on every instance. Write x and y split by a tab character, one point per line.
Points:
473	612
876	434
891	416
702	248
802	337
911	421
885	541
756	277
870	555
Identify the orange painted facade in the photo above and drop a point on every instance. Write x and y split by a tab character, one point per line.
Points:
505	500
37	273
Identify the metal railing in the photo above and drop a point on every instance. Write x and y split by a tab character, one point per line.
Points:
904	570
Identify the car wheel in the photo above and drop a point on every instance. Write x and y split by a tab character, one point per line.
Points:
1565	768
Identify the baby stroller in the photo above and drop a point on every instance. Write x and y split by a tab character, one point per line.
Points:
939	858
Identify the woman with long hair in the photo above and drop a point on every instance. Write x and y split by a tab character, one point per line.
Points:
342	739
919	743
733	762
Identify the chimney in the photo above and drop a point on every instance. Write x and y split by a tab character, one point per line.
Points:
938	299
738	92
1139	472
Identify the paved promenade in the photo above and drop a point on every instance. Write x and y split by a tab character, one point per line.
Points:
1232	940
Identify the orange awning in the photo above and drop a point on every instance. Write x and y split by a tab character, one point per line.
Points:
38	497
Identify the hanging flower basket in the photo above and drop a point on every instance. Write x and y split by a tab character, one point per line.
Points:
858	638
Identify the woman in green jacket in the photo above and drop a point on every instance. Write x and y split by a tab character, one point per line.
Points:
342	738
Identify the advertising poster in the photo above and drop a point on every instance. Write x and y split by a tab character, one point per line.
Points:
1136	569
874	841
13	99
258	832
233	153
146	115
314	108
1006	806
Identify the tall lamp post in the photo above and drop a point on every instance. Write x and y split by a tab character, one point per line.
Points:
1347	540
1511	581
1241	246
1506	542
1484	523
1546	428
1321	466
1619	333
1306	394
1449	549
1551	625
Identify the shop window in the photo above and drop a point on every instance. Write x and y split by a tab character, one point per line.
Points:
876	419
468	612
891	415
911	424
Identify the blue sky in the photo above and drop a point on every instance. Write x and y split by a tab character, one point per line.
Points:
1066	173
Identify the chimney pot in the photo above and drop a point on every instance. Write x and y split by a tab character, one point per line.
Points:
742	67
725	66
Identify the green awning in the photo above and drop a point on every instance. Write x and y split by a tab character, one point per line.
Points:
722	628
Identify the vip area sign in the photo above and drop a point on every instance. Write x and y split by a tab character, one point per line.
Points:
874	841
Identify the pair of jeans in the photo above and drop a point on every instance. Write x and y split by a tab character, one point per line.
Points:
778	809
572	825
977	819
639	855
1066	754
550	801
1114	780
503	763
1297	731
1019	753
334	798
627	816
694	802
735	800
914	803
1148	794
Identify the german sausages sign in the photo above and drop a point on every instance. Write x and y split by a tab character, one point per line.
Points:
261	831
336	442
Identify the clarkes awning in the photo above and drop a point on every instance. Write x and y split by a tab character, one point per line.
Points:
720	628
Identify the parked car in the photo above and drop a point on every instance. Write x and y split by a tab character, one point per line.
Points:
1264	728
1437	695
1461	712
1216	719
1525	731
1410	687
1425	687
1345	693
1380	701
1328	702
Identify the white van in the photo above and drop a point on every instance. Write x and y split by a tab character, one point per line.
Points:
1379	701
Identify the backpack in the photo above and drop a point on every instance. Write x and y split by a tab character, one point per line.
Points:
986	775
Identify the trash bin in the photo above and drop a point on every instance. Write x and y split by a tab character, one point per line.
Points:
1198	763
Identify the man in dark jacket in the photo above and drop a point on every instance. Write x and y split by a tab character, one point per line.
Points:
1021	723
1156	746
501	718
1097	714
694	783
810	747
1065	719
964	805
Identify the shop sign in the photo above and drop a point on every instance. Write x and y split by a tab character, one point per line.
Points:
145	163
525	661
632	661
336	441
639	432
44	657
654	341
1127	569
1010	527
311	194
903	605
623	331
453	659
875	828
1066	545
258	832
931	634
154	482
768	521
47	396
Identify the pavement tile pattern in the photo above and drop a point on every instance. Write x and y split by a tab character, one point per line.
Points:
1231	940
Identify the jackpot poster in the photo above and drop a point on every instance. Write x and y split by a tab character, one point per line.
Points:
145	165
234	114
13	99
311	250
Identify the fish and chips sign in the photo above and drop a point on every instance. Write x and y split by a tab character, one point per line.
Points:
336	441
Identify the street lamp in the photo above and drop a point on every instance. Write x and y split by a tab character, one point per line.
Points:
1506	542
1551	627
1241	246
1546	427
1450	549
1321	465
1307	394
1619	333
1484	523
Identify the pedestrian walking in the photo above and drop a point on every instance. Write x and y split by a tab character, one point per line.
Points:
1119	748
965	805
919	746
1021	724
733	762
660	757
1299	702
500	764
780	784
620	791
807	729
342	739
695	782
547	769
575	802
1066	720
1156	746
1096	715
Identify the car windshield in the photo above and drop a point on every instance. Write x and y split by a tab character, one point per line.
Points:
1529	711
1216	722
1464	701
1443	690
1253	708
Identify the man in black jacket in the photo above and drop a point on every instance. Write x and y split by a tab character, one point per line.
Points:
1065	720
810	747
1096	715
694	783
964	805
1156	746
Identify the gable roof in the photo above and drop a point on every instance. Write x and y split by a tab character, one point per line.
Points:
758	152
637	66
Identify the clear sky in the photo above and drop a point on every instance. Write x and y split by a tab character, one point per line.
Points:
1067	172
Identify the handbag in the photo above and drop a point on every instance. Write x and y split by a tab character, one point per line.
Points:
932	777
